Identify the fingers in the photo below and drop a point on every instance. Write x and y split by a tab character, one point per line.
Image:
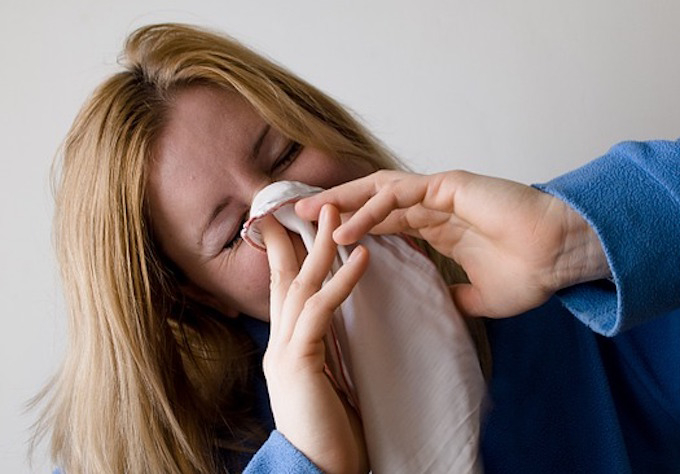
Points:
377	200
314	270
345	197
318	263
396	206
283	266
318	310
373	212
292	289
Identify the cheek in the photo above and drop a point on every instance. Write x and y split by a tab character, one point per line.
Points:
245	285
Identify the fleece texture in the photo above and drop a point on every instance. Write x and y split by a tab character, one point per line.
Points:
590	381
631	197
279	456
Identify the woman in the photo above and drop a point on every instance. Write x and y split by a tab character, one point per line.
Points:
161	375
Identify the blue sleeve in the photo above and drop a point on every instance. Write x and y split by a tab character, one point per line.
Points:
278	455
631	197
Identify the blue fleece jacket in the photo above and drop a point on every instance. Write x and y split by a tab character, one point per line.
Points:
590	381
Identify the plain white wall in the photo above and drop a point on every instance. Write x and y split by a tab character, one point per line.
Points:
524	89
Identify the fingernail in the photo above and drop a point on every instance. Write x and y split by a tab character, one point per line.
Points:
336	233
323	215
298	207
355	253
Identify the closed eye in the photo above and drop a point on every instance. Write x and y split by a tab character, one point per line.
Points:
289	155
236	239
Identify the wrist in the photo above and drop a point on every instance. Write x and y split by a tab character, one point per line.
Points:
582	258
312	417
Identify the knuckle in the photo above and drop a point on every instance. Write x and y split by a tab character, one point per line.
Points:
388	187
382	174
271	361
315	305
391	189
457	177
267	362
386	177
300	285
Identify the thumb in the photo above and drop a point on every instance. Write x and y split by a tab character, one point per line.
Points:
468	299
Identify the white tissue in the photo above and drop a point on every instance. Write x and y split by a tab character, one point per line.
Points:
398	349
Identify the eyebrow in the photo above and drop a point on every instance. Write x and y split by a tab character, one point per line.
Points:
222	204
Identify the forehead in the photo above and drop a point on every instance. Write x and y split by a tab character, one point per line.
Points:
208	130
205	118
206	139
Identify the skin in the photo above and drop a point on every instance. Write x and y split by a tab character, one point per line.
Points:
517	245
204	160
305	405
207	167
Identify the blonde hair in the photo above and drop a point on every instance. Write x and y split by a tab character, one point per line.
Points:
151	383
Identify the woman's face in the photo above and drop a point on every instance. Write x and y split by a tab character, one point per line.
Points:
213	156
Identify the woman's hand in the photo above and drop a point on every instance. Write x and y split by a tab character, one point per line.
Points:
517	245
307	409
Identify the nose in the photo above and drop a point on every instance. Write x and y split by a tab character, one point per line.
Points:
271	202
277	199
259	186
248	185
